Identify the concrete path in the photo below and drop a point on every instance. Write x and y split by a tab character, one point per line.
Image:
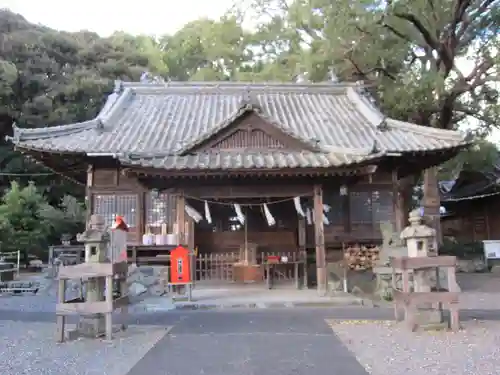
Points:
249	342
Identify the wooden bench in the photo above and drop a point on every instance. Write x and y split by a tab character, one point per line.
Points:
409	300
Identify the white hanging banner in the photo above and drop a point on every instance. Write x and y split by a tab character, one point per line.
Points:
325	220
192	213
298	206
208	217
269	217
308	216
239	214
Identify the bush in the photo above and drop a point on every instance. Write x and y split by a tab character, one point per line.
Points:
24	224
29	224
462	250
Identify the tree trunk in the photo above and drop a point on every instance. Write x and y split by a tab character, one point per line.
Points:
431	202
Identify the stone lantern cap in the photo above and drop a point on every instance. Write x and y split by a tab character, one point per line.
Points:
417	229
96	231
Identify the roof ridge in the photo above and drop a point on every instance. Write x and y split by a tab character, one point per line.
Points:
377	118
111	106
221	87
427	130
21	134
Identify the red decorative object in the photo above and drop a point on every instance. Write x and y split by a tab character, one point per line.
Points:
180	266
273	259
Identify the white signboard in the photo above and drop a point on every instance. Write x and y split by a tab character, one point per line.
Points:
491	249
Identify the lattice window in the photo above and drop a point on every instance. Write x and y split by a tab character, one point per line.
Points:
160	209
109	206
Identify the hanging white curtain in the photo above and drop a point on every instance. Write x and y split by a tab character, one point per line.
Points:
269	217
192	213
208	217
298	206
309	216
325	220
239	213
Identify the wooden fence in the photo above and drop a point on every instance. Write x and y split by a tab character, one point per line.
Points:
219	266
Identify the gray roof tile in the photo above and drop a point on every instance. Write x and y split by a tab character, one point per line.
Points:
231	160
167	119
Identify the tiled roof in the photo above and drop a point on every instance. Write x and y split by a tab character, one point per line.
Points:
473	185
231	160
167	119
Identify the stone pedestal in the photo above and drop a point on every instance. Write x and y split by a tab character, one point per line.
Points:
421	242
392	246
92	326
427	315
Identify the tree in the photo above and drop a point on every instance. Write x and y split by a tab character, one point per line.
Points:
206	50
25	220
410	52
50	77
482	155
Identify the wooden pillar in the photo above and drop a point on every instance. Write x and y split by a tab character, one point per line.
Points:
88	193
141	215
398	204
181	219
319	236
301	236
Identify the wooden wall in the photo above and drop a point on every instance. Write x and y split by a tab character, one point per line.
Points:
354	217
473	220
113	193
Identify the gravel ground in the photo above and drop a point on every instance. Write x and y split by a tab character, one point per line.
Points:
30	348
388	348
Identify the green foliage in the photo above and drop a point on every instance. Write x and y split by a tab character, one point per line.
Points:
482	155
24	219
29	224
470	250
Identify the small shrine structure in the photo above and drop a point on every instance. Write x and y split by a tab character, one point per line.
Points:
104	274
420	297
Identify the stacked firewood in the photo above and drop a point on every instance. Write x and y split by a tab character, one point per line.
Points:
360	258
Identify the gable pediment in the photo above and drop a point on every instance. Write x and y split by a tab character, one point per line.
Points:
251	131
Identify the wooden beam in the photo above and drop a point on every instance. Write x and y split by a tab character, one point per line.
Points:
181	219
319	234
398	204
246	191
260	172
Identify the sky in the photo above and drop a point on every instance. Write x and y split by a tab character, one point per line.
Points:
106	16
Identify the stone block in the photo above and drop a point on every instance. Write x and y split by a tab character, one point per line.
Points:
471	265
92	326
136	289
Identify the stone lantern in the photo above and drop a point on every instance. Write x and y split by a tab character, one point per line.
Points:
421	242
95	240
420	239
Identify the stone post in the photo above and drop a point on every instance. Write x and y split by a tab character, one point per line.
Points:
421	242
96	240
